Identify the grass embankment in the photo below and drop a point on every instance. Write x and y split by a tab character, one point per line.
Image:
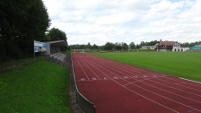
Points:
12	63
181	64
40	87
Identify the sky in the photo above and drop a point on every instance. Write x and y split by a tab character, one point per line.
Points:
101	21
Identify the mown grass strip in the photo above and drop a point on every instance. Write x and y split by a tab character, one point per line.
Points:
180	64
40	87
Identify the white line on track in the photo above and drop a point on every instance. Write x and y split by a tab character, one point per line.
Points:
167	78
157	87
91	70
177	89
154	92
180	85
82	69
158	79
198	84
168	70
138	93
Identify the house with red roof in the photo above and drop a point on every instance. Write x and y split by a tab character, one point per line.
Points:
166	45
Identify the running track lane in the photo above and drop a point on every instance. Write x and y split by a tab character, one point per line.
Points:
119	88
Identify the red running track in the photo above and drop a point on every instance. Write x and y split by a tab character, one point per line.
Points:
119	88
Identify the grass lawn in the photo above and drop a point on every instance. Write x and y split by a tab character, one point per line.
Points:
39	87
181	64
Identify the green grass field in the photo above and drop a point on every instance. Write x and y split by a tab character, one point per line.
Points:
39	87
181	64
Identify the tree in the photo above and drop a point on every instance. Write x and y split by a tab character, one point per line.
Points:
109	46
143	43
132	45
94	46
152	43
21	22
124	46
138	46
89	45
118	46
56	34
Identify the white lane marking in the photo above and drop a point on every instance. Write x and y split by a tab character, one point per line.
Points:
105	78
82	79
94	79
137	93
82	69
151	91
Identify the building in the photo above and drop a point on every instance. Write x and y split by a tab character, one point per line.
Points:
166	45
180	49
54	46
170	46
48	48
148	47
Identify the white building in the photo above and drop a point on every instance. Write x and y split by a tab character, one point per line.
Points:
178	48
148	47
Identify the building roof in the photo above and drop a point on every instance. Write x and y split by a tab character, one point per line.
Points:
58	43
166	43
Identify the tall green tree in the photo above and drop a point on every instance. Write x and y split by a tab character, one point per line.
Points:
138	46
124	46
21	22
56	34
89	45
95	47
118	46
109	46
132	45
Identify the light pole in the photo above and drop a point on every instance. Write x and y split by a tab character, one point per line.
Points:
128	48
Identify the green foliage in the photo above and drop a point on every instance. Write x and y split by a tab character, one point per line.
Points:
89	45
124	46
180	64
151	43
41	87
132	45
83	46
94	47
56	34
21	22
109	46
116	46
187	44
67	52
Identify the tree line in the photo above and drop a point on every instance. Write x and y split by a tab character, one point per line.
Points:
21	22
187	44
107	46
124	46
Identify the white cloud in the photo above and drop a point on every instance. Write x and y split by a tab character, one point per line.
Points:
119	18
100	21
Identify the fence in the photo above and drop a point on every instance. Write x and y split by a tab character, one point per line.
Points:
83	102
